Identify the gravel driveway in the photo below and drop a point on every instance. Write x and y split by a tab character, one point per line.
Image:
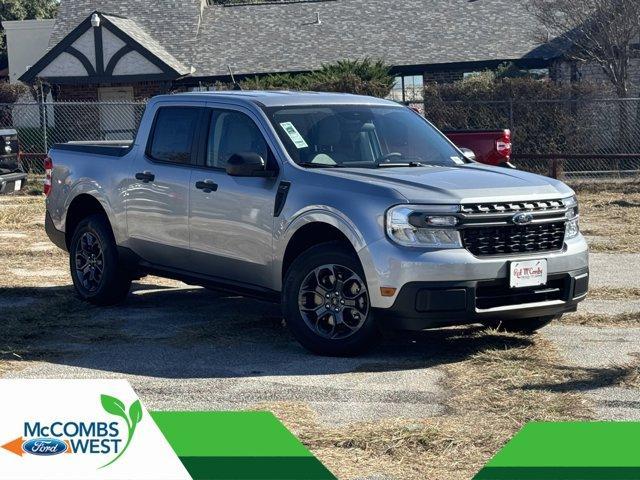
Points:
188	348
191	349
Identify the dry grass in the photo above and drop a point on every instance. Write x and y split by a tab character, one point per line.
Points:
613	293
27	257
611	220
601	320
493	394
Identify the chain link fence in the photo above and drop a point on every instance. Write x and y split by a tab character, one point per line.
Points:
575	140
42	125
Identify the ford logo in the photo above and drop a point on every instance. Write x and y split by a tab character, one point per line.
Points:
44	446
522	218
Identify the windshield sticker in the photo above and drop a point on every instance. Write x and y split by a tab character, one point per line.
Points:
457	160
294	135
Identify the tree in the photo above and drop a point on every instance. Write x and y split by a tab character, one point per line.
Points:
595	31
24	10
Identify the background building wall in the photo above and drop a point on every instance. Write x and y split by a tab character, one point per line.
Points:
566	71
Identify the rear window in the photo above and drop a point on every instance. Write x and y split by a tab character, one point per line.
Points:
173	134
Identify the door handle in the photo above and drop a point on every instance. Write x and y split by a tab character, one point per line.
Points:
207	185
145	177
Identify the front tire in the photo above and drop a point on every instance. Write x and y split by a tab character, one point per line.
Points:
525	326
96	272
326	302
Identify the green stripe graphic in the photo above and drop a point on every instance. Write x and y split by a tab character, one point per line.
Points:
263	468
569	451
238	445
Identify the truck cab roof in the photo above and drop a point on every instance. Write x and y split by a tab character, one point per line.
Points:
283	98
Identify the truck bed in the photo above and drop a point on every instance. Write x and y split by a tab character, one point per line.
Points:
117	148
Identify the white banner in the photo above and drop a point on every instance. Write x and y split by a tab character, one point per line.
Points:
80	429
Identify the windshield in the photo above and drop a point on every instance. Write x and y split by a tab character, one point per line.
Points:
360	136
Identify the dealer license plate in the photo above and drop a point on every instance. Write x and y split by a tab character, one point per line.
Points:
17	185
528	274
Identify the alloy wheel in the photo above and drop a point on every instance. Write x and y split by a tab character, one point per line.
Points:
89	261
334	301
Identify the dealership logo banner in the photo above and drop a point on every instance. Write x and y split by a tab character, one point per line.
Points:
99	429
80	429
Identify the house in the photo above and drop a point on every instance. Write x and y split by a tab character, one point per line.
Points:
133	49
122	50
27	41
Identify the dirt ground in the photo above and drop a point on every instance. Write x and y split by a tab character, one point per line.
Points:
432	405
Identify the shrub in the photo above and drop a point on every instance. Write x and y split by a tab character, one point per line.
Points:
10	93
543	115
362	77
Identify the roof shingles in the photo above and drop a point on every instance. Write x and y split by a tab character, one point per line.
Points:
285	37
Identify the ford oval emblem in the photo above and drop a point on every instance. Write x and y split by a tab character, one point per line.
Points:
44	446
522	218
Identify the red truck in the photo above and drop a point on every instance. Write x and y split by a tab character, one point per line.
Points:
492	147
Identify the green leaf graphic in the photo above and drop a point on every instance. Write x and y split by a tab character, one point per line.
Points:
116	407
113	406
135	413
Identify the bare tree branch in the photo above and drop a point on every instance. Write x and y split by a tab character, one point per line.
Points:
597	31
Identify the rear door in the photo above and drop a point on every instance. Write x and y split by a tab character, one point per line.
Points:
231	224
157	199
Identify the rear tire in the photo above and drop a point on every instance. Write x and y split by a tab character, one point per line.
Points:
97	274
525	326
326	302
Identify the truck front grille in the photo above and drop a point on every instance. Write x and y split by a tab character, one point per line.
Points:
513	239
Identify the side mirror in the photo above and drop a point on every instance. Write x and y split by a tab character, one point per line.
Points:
468	153
247	164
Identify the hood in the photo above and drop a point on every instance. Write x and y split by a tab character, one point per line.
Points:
471	183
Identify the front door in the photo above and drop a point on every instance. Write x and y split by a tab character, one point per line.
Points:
117	113
157	199
231	223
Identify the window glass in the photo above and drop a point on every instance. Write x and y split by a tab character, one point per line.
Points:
173	134
231	133
397	93
360	136
413	88
409	88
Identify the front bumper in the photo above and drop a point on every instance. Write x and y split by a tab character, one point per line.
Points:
421	305
387	265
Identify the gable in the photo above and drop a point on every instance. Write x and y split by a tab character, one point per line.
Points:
106	49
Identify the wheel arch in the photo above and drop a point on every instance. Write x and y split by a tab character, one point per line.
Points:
308	236
313	228
81	207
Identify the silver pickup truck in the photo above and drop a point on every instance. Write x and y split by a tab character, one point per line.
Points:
354	212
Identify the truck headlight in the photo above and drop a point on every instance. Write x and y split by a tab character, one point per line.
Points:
573	218
424	226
